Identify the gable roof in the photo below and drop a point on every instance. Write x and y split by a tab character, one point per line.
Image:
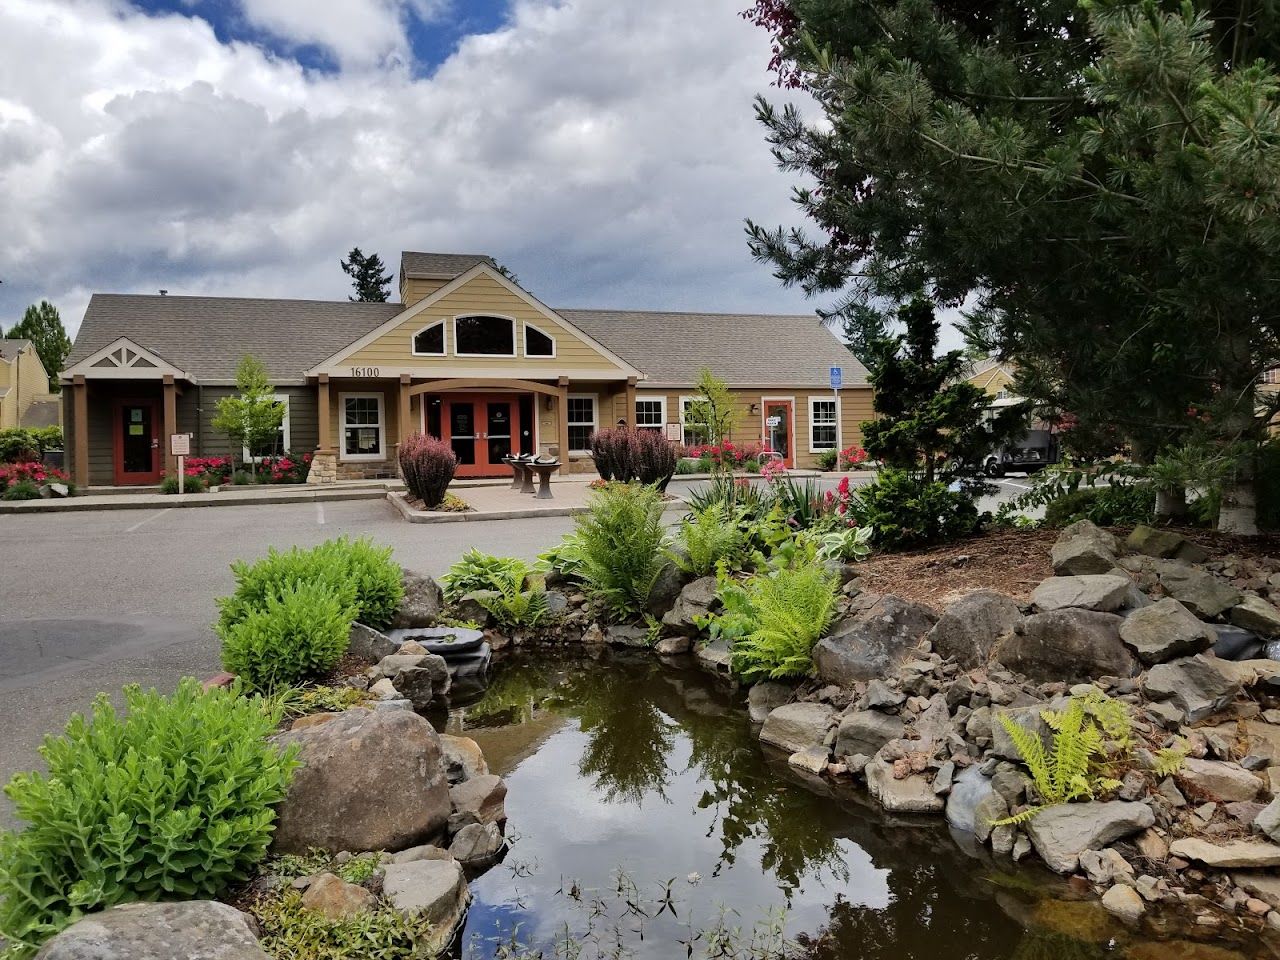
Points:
10	347
207	336
740	348
440	266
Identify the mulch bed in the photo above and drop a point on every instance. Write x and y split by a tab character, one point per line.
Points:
1012	562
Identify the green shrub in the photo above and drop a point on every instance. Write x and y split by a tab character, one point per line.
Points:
827	459
196	484
22	490
904	511
622	547
1117	505
297	634
18	445
773	621
291	930
172	800
481	571
708	537
358	573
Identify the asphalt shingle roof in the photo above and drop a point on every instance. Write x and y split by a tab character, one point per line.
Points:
207	336
10	347
440	264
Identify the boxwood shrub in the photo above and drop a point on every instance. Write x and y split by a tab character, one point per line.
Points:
171	800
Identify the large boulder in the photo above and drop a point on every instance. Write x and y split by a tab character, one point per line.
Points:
696	599
369	644
794	726
865	732
969	789
337	899
1083	548
420	677
666	589
766	696
463	758
423	602
969	628
1164	631
477	845
1061	833
1255	614
911	794
434	889
191	930
873	643
368	780
1095	591
1233	855
1212	779
483	797
1028	718
1201	592
1164	544
1199	686
1070	645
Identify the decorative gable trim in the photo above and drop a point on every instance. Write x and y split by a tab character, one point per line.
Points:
333	365
123	359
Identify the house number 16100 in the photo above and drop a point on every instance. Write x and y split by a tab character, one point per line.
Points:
364	371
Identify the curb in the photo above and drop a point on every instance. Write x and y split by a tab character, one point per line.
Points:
476	516
160	501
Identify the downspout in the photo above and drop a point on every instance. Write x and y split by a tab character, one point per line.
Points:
199	419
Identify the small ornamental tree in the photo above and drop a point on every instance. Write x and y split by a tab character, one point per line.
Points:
711	416
251	417
930	422
367	276
427	466
42	325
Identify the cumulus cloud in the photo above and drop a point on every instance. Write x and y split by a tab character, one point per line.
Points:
607	152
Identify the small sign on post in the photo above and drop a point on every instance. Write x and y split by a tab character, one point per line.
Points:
180	447
674	432
837	377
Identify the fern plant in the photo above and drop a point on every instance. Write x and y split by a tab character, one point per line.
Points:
778	617
1075	764
623	542
709	536
515	606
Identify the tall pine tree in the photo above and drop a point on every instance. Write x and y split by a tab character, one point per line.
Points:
42	325
367	275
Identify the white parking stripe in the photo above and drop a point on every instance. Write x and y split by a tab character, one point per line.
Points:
148	519
320	513
1020	486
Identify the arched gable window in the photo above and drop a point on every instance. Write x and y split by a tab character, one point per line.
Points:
484	336
429	341
537	343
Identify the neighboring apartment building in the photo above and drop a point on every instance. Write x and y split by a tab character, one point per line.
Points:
467	355
25	400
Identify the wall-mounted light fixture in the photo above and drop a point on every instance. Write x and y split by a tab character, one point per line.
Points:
755	408
547	402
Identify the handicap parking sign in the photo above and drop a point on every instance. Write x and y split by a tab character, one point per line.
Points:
837	377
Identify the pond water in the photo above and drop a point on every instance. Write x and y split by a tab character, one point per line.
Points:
643	812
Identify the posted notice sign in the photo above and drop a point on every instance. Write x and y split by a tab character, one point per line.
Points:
837	377
180	444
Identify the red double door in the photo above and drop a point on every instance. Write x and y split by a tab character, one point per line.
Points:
481	429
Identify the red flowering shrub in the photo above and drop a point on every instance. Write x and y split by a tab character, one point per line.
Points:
851	457
725	456
32	471
427	466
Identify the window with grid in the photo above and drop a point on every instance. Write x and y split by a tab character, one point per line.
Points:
362	426
582	423
650	414
822	425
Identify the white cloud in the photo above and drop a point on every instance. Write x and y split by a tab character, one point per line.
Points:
607	152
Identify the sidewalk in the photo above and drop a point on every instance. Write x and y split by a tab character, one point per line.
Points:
503	503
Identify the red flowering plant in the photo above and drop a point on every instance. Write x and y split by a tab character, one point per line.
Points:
724	456
840	502
212	470
285	468
852	456
30	471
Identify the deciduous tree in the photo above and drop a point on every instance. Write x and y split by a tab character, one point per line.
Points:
251	417
42	325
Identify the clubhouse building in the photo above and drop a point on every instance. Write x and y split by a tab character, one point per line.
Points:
466	355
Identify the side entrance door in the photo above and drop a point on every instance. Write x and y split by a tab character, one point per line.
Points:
481	429
776	420
138	455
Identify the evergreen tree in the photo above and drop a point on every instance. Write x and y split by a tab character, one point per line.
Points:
929	421
367	275
508	273
42	325
1100	180
251	417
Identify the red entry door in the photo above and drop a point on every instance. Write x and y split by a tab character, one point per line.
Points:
138	456
482	430
776	419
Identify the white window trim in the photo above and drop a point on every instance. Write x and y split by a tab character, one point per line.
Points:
813	402
685	400
595	418
662	424
444	337
284	430
342	427
524	343
515	346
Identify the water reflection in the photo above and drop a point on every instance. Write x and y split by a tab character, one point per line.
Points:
622	763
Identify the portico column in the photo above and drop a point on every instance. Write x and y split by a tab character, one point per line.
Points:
80	427
631	402
170	425
563	388
323	444
405	425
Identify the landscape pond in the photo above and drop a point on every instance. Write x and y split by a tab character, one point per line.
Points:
646	820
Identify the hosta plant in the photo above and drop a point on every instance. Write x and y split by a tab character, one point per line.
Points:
171	800
481	571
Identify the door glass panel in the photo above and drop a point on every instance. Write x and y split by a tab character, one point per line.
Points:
778	427
462	430
136	431
499	431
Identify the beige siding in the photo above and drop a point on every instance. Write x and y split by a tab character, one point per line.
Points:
413	289
480	295
26	380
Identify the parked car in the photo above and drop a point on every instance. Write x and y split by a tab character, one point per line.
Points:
1034	451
